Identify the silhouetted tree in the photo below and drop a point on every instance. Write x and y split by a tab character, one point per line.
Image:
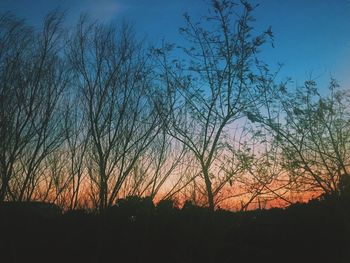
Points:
312	131
33	78
113	79
211	91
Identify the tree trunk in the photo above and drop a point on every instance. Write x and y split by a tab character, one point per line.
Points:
103	191
209	189
2	192
3	188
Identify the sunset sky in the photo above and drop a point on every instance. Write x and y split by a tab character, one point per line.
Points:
312	37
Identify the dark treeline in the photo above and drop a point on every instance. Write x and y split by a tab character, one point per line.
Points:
89	114
134	230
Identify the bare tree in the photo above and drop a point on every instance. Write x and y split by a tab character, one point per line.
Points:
313	133
33	78
216	87
114	82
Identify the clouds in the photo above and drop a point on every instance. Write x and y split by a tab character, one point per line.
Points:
104	10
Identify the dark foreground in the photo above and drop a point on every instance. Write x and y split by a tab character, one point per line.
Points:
136	231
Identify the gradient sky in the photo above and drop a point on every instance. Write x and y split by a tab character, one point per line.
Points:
312	37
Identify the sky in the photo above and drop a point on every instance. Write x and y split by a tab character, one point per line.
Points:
312	37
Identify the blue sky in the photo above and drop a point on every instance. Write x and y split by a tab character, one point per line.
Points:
312	37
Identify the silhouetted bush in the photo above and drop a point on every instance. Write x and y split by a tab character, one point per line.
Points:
165	206
344	187
33	210
131	208
77	213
